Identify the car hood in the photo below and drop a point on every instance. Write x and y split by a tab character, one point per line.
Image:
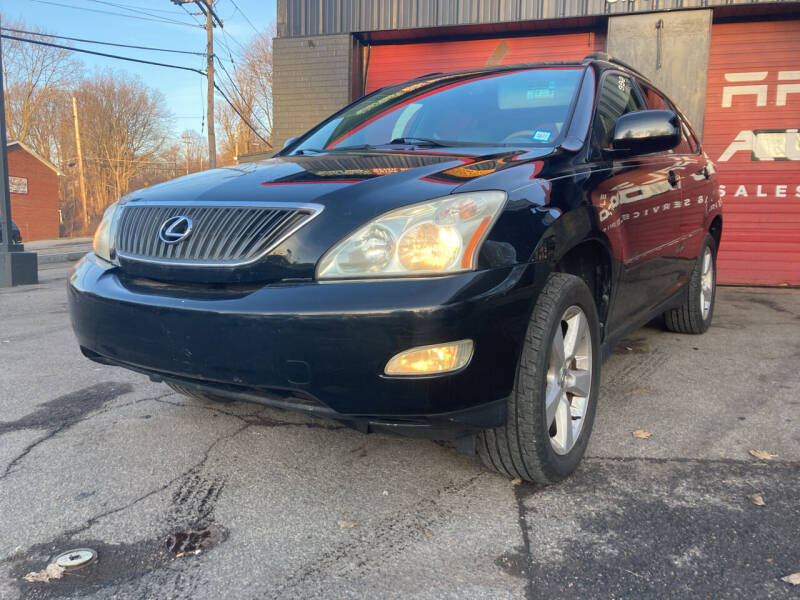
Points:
351	188
317	178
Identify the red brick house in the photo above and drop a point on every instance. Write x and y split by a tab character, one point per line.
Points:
34	193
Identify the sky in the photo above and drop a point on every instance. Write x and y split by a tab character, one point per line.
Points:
184	92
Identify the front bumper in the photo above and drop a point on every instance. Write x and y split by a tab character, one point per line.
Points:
322	344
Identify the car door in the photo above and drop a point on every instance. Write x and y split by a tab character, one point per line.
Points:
637	207
692	171
697	192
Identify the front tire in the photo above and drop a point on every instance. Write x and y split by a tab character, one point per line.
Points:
698	308
552	406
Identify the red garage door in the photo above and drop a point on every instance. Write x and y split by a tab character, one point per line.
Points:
751	133
398	62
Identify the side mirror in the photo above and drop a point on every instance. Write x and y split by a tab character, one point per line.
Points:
289	142
646	131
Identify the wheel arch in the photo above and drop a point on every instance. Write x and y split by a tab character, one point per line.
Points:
590	259
573	245
715	229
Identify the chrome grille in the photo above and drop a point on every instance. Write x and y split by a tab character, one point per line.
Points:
222	234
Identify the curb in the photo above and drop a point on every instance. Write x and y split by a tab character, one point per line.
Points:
45	259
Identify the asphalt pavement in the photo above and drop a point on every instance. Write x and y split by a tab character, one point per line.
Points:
286	506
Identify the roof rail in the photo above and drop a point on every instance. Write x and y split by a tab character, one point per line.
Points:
608	58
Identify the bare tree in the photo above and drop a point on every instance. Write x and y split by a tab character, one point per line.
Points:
124	128
250	91
35	80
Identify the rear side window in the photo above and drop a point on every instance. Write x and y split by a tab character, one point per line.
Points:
657	101
654	100
688	137
617	97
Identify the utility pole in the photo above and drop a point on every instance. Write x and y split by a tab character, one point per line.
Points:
80	164
17	267
236	143
186	139
212	140
212	19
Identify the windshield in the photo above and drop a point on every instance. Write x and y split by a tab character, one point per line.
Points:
529	106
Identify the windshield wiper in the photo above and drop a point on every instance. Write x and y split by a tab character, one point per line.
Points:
302	151
417	141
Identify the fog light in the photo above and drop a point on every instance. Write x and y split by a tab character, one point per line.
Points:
436	358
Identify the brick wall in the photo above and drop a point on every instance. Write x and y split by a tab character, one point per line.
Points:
36	213
312	77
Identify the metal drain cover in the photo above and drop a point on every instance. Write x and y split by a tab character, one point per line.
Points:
75	559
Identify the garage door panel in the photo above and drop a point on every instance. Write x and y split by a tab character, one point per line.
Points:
394	63
751	123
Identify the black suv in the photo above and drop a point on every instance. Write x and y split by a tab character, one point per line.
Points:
451	257
16	234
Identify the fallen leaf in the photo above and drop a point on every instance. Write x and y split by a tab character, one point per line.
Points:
794	578
641	434
516	481
346	524
762	454
427	532
52	571
757	499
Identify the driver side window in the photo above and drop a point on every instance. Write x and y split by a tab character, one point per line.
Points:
617	97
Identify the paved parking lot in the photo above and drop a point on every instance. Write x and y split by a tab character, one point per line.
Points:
301	508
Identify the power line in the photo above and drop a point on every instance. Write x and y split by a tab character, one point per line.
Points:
245	17
194	18
135	10
227	46
118	14
117	56
74	39
149	10
241	96
241	116
138	60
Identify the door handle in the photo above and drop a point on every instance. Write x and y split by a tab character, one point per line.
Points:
672	178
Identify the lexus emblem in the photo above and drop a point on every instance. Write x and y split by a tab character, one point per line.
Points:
175	229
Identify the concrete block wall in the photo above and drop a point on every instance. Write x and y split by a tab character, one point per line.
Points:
685	40
312	79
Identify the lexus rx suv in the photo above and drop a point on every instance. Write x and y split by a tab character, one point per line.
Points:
452	257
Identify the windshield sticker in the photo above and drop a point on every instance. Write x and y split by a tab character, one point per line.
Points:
541	135
538	93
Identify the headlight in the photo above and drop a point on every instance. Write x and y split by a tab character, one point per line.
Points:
103	244
430	238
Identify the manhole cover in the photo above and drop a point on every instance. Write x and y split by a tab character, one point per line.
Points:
75	559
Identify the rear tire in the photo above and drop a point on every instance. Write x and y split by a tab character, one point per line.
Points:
698	308
552	406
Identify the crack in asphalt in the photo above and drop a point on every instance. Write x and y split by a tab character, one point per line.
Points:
519	496
61	413
194	468
192	505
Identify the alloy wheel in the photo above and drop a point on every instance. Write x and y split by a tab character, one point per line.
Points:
706	283
569	379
